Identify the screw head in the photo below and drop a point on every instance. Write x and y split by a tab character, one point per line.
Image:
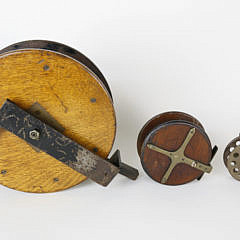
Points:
95	150
34	134
3	172
194	164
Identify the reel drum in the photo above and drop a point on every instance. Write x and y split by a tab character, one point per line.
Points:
65	90
174	148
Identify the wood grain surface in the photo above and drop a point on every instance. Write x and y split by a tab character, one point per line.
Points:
170	137
73	96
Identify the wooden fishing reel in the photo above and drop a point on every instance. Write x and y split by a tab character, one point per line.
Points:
175	149
231	158
57	119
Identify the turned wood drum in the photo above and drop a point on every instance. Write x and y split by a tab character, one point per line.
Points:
174	148
73	91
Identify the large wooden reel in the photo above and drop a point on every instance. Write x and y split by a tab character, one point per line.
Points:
73	91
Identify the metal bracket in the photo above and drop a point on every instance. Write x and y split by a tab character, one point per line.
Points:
47	139
179	157
214	151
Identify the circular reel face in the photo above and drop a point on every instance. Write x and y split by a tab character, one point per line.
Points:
73	95
231	158
163	118
172	151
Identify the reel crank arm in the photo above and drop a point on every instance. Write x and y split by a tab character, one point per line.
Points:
45	138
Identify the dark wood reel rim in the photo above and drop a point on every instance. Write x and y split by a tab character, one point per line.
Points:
62	49
227	150
176	122
164	118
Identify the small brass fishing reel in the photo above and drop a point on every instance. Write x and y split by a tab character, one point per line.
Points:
174	148
231	158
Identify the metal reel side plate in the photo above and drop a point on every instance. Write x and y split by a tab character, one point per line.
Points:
231	158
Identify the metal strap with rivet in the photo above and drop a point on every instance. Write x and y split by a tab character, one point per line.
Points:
178	156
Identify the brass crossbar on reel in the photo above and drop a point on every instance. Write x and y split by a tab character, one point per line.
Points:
174	148
178	157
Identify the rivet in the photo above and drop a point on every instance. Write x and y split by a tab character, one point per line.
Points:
95	150
194	164
34	134
93	100
3	172
46	67
55	179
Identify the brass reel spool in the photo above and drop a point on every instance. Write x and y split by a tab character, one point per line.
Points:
231	158
174	148
59	89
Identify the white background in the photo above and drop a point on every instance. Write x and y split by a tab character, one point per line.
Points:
157	56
